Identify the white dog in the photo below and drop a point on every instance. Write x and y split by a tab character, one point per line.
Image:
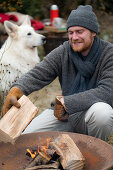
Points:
19	52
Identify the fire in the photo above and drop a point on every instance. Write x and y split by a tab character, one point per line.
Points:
42	148
32	154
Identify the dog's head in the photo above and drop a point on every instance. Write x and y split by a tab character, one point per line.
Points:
24	34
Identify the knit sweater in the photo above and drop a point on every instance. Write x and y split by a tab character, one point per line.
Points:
58	64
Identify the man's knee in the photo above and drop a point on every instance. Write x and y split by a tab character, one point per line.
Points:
99	120
100	113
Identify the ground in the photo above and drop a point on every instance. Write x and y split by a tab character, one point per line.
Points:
43	98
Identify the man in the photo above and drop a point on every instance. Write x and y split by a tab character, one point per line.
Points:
84	66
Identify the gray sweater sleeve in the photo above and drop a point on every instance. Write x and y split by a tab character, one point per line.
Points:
42	74
104	87
58	63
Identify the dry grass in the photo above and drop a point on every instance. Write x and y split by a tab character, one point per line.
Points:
43	98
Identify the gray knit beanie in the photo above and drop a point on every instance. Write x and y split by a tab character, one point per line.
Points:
83	16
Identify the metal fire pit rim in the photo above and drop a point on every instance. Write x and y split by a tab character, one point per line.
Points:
84	142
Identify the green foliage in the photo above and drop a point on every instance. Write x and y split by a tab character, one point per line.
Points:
34	7
11	5
41	8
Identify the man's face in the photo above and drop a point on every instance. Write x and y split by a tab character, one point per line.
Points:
81	39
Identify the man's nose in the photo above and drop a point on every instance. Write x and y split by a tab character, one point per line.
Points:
74	36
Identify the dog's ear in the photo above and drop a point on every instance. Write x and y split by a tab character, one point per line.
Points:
11	28
27	21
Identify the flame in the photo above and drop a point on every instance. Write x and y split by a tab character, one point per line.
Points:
32	154
42	148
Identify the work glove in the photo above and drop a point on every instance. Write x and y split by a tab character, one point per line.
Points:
59	110
14	94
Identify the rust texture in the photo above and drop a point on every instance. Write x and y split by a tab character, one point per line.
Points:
98	154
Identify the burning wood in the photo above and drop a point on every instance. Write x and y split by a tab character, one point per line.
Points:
51	166
41	158
62	153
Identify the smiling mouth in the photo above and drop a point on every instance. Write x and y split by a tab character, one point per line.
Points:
76	43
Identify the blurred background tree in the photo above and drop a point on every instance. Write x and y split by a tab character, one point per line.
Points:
10	5
41	8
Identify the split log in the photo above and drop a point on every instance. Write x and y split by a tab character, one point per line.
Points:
70	156
51	166
16	120
5	137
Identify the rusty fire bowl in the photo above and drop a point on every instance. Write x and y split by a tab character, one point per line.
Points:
98	154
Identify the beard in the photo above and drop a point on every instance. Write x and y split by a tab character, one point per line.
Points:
81	45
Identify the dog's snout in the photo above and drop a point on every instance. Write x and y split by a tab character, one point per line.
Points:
44	39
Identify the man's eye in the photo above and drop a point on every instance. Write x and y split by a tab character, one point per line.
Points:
70	33
29	33
80	32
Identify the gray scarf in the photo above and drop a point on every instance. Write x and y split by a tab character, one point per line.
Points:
85	66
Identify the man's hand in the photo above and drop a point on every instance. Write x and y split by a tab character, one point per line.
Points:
14	94
59	109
